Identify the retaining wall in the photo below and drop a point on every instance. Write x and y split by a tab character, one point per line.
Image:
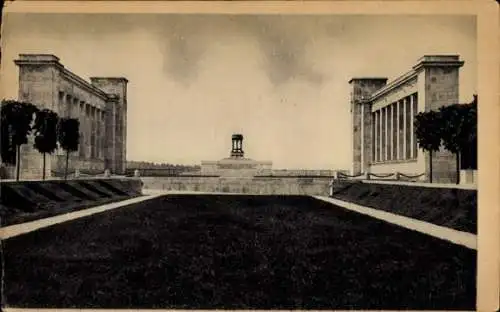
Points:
22	201
271	185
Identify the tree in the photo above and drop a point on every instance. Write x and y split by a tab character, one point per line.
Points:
68	136
8	151
469	153
473	134
427	131
459	130
17	119
45	133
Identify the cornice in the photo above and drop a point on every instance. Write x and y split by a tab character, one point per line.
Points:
51	60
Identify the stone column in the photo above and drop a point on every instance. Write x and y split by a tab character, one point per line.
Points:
76	115
405	126
81	118
64	107
74	108
104	138
394	131
377	136
363	150
367	137
391	134
372	130
94	128
398	116
59	107
412	130
88	128
101	134
381	133
67	106
415	112
96	132
386	133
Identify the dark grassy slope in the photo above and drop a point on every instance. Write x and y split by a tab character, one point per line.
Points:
236	252
31	200
453	208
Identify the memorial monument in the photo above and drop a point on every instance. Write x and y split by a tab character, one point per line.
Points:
236	165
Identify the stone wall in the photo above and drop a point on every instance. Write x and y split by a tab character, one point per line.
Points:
305	172
75	162
236	166
45	82
256	185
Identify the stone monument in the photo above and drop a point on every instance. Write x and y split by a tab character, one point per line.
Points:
237	149
236	165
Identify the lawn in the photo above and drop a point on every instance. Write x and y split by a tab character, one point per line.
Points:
26	201
452	208
236	252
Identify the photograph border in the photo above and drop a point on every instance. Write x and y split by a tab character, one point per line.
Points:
488	276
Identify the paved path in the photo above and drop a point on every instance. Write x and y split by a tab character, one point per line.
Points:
457	237
23	228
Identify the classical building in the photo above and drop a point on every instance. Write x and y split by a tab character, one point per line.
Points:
383	116
100	106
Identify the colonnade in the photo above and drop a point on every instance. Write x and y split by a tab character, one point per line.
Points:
91	118
393	133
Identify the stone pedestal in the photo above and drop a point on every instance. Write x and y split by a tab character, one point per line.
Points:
468	176
236	167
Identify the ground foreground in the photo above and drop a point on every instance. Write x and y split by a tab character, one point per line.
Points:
240	252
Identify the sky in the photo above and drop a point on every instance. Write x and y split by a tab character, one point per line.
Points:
280	80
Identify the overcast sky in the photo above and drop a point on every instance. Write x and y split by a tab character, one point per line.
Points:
282	81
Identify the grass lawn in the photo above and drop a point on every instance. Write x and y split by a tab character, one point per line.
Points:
453	208
26	201
17	216
239	252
